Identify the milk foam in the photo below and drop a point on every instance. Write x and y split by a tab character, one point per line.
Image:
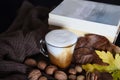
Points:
57	51
60	38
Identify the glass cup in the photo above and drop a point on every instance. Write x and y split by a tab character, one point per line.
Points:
60	46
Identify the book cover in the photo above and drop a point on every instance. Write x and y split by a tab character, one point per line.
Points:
87	17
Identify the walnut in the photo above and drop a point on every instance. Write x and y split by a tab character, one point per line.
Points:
72	77
78	69
50	69
72	71
30	62
42	65
80	77
34	74
60	75
43	78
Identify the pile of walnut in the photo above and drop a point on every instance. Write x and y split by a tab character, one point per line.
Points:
44	71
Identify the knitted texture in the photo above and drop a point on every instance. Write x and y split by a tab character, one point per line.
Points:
22	38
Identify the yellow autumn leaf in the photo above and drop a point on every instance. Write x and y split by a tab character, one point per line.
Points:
93	67
117	61
106	57
113	66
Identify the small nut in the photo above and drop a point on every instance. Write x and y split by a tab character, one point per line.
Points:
80	77
60	75
42	65
34	74
72	71
43	78
50	69
72	77
78	69
30	62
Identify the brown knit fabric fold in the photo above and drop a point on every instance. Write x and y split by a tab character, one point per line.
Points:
21	40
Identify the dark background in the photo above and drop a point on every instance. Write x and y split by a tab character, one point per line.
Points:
8	10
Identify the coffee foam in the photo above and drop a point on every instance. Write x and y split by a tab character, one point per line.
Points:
57	51
60	38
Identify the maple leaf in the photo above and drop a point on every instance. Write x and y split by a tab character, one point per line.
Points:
113	66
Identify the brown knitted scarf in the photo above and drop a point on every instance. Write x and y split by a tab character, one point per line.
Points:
21	40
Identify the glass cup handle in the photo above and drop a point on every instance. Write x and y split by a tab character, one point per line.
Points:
42	48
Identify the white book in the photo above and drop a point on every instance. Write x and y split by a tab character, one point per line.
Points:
81	17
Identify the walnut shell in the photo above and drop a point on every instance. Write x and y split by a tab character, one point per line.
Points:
42	65
78	68
50	69
34	74
80	77
72	71
72	77
43	78
60	75
30	62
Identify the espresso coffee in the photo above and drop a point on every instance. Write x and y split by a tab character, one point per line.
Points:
60	45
